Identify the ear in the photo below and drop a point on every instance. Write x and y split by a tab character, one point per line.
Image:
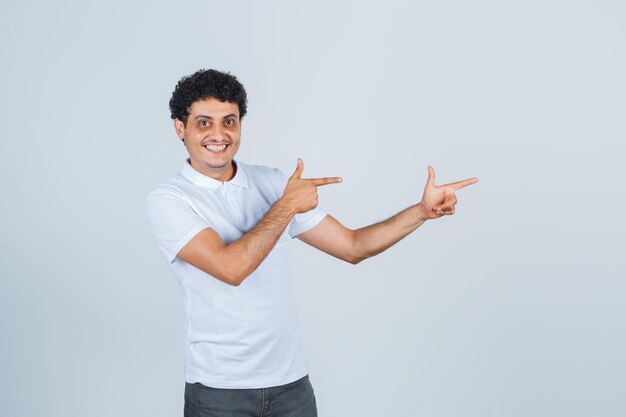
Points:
179	126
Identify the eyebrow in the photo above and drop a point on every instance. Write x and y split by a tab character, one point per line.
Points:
204	116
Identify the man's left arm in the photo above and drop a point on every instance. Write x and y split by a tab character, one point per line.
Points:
353	246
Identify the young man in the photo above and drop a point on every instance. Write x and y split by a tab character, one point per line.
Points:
224	226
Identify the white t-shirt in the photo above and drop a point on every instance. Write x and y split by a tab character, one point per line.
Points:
237	337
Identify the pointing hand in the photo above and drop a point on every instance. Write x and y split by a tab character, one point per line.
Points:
301	193
439	200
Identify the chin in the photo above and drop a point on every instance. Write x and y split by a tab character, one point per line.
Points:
213	165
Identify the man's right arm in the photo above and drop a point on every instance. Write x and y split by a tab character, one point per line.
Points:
233	263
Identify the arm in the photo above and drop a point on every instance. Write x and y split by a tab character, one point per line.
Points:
353	246
234	262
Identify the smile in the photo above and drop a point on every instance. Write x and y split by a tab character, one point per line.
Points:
216	148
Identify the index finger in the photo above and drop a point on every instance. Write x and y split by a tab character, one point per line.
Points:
460	184
325	181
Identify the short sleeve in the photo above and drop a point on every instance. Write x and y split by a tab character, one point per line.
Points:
173	223
304	221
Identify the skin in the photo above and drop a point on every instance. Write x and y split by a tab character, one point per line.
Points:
354	246
214	122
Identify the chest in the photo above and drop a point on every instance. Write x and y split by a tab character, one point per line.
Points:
231	210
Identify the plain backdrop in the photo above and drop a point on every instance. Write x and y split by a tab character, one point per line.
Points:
512	307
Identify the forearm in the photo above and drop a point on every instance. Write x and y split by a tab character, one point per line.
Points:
374	239
246	253
234	262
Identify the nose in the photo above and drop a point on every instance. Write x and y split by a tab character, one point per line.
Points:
217	132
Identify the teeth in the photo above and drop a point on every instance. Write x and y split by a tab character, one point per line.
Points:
215	148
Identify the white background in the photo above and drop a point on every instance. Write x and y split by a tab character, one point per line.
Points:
512	307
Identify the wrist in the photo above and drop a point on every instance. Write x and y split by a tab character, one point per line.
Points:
285	207
421	212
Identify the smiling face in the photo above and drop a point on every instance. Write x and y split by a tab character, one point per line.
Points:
211	137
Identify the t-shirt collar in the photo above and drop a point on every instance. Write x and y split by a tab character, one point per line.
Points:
239	180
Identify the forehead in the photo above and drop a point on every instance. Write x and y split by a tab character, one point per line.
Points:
213	107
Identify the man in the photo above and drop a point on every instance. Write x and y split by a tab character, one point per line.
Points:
223	226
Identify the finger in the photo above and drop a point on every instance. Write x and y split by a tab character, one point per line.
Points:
448	201
325	181
445	210
460	184
431	175
299	168
447	207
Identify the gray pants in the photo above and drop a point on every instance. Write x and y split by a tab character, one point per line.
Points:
295	399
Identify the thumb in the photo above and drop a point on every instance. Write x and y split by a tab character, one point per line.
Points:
298	172
431	176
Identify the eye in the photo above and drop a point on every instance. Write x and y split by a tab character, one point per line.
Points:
203	123
230	122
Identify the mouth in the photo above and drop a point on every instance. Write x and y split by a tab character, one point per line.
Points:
216	149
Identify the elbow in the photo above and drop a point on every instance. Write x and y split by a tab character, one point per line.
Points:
355	254
219	265
233	277
235	280
354	260
232	280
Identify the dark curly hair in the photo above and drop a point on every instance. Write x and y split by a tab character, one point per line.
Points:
202	85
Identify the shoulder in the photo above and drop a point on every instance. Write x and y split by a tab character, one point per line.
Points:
173	188
264	174
261	170
267	180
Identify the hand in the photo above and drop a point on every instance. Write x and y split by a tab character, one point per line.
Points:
439	200
301	194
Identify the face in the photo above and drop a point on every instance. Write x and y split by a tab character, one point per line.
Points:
211	137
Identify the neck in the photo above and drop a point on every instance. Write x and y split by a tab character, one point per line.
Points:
225	173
